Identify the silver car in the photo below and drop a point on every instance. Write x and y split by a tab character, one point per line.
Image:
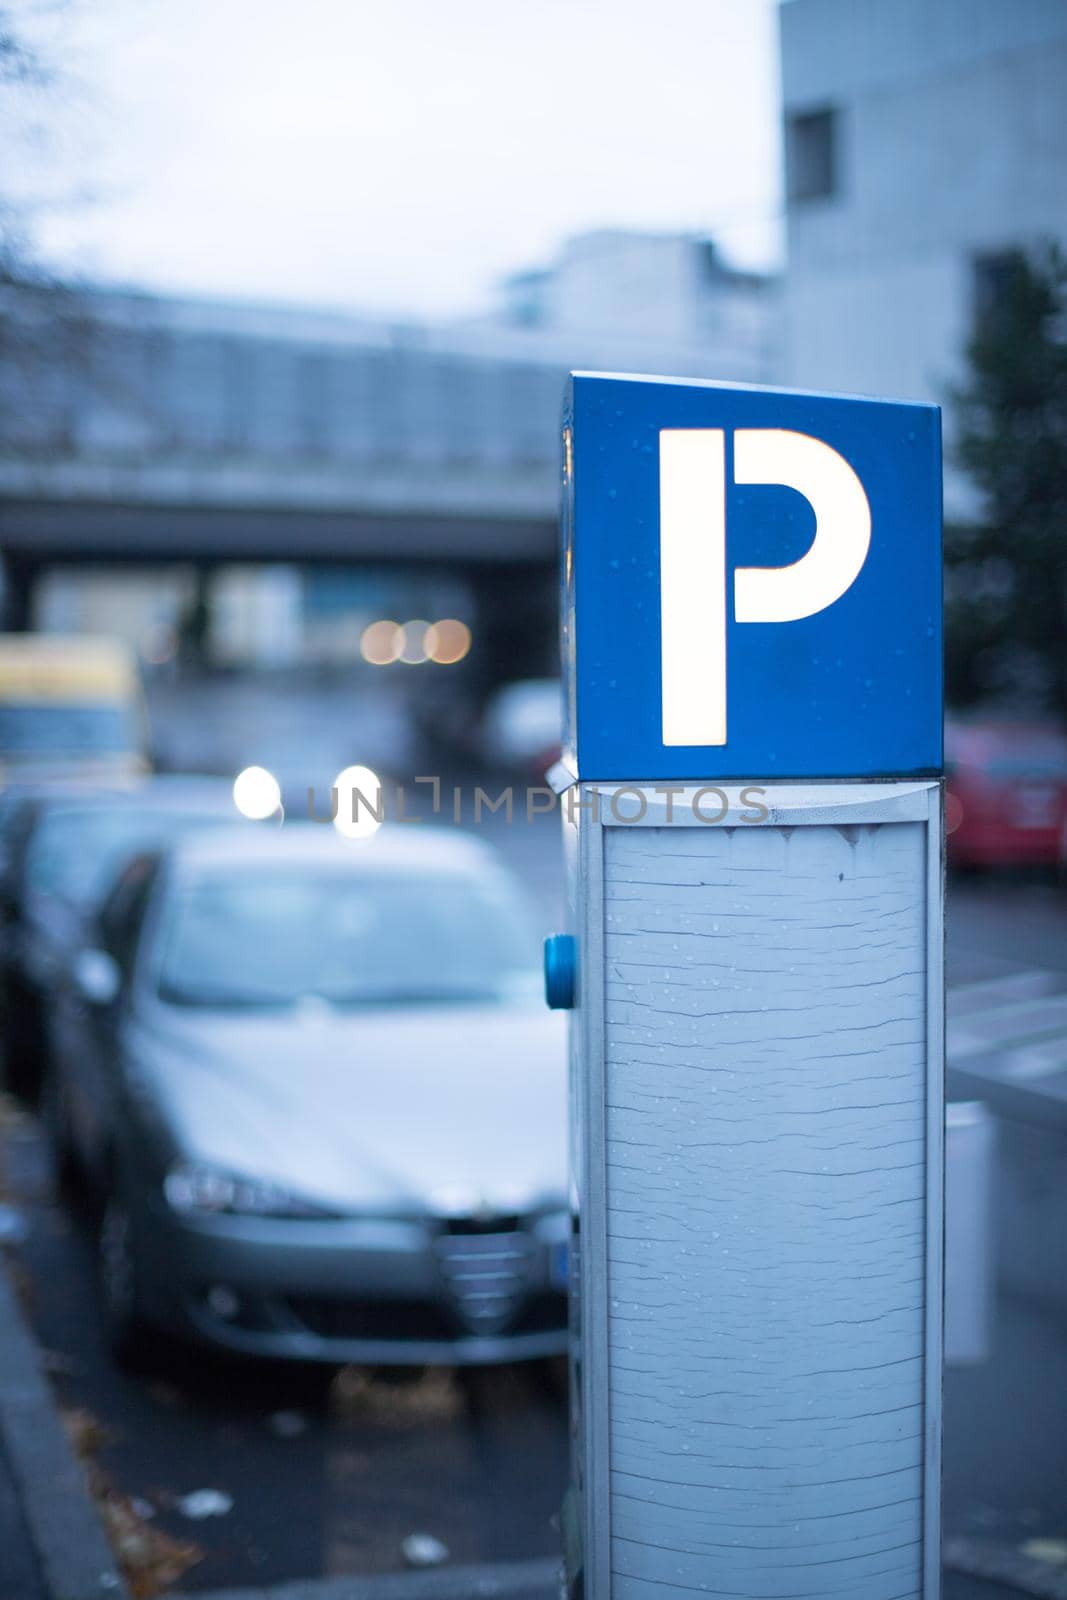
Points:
317	1084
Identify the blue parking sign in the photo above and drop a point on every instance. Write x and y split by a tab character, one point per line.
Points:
752	583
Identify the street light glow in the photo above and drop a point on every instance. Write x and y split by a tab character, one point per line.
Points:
359	802
447	641
381	642
413	647
256	793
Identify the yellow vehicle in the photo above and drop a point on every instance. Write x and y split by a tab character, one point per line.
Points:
70	706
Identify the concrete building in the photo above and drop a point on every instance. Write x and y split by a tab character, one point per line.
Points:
654	297
924	139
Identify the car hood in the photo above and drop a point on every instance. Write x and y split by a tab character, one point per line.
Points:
384	1107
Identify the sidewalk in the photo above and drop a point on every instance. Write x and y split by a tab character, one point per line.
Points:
51	1541
20	1574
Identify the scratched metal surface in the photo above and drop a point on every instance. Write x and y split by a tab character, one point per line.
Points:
765	1125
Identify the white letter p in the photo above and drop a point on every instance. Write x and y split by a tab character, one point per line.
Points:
693	558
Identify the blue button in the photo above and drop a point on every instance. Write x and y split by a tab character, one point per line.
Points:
561	965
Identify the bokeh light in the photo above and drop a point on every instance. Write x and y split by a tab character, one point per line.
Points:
381	643
359	802
413	649
953	811
447	641
256	793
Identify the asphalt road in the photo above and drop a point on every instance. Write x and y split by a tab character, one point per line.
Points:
1000	922
332	1484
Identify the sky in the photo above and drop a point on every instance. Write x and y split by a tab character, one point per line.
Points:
399	156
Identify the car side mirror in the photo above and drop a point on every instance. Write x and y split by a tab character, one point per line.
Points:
97	977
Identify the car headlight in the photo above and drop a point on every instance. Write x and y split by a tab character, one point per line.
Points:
192	1190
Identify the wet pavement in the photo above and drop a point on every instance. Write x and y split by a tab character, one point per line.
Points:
19	1575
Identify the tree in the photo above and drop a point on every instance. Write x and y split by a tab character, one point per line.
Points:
1006	577
43	324
22	73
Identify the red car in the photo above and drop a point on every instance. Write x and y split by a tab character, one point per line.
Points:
1006	801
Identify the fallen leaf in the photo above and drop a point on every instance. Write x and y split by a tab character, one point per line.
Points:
86	1432
151	1560
357	1392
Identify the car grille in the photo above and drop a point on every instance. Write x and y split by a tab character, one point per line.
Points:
487	1275
481	1225
487	1266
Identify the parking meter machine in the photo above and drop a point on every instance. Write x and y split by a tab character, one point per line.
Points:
751	598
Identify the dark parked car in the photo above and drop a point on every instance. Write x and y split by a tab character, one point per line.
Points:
60	847
317	1084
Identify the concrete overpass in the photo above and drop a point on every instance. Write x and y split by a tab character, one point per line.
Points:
135	428
140	430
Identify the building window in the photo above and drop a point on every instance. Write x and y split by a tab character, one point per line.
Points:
812	158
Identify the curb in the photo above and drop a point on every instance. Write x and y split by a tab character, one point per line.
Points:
501	1580
72	1551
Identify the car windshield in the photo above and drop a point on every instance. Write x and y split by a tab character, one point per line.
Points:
279	937
66	730
75	850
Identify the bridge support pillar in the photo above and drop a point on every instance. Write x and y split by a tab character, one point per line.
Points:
17	596
516	623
